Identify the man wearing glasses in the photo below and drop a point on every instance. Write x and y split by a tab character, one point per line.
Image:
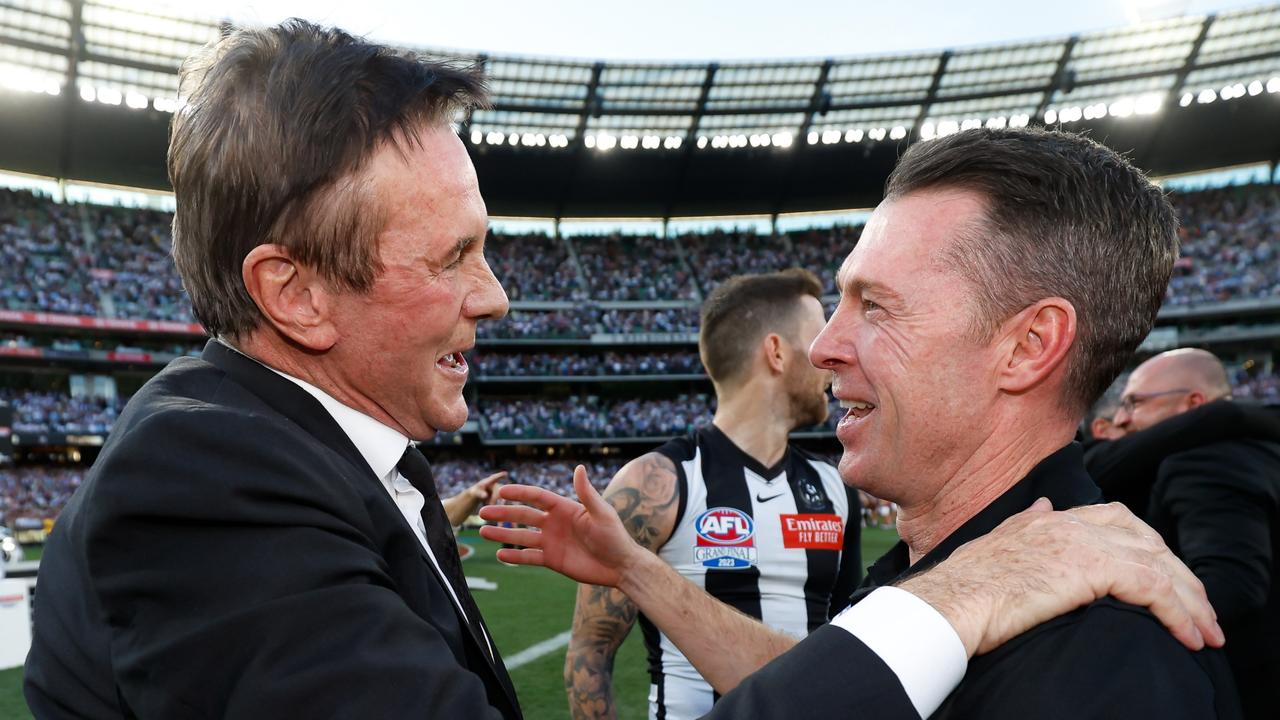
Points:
1212	467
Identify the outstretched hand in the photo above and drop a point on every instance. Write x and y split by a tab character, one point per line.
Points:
584	541
1040	564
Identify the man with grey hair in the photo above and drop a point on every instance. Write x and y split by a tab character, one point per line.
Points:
978	321
1205	472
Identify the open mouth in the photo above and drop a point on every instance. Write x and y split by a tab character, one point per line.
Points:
453	363
857	409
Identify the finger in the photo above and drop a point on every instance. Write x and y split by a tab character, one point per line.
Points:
587	493
522	557
500	475
1113	514
1140	584
521	514
537	497
512	536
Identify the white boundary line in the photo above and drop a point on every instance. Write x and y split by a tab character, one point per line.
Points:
537	650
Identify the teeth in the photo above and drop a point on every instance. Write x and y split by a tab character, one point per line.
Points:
855	405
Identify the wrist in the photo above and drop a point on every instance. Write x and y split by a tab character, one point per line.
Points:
638	570
958	602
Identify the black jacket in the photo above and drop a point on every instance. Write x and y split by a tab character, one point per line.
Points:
1212	483
1107	660
231	554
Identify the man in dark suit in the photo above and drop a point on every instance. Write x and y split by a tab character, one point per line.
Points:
259	538
1205	471
977	323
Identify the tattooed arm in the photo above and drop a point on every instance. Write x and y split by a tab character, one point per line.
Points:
646	498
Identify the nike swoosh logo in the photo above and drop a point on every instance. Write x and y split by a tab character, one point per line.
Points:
767	499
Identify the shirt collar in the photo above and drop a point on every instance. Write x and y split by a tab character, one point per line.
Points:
1061	477
379	445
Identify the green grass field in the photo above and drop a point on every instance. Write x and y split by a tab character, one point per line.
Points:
529	606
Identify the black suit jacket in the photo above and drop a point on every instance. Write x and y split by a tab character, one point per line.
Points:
231	554
1212	481
1106	660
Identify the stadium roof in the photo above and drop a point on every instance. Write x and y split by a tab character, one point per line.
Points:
579	138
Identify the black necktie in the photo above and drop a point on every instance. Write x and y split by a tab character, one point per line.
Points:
414	467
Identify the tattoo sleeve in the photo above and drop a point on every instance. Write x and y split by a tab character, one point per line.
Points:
646	497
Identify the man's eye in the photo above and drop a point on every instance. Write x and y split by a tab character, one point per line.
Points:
454	264
869	305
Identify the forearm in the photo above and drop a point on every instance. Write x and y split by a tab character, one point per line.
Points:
460	507
723	644
602	619
588	682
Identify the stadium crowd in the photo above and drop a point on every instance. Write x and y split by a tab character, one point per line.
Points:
573	364
592	417
37	412
634	268
114	262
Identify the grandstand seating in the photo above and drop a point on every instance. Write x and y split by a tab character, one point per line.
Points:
85	260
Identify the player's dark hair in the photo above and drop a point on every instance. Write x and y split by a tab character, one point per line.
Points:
738	313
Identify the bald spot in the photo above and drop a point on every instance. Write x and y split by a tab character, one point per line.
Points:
1192	368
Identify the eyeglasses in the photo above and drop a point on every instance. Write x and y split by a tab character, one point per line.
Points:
1129	403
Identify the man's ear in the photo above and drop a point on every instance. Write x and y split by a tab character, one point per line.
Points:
293	298
774	348
1196	399
1036	343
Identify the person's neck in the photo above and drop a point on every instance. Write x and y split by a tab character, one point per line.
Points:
296	363
750	417
999	463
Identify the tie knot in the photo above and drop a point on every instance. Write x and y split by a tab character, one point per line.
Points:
414	467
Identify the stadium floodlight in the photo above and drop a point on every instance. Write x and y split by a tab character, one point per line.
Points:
495	138
782	139
1227	93
88	93
1273	85
897	133
1071	114
1187	99
675	141
948	127
971	124
857	136
1206	96
1095	111
1020	120
1050	117
1148	104
1238	90
1255	88
702	141
136	101
877	133
754	140
851	137
650	142
813	137
720	141
997	122
739	141
630	142
513	139
606	142
831	137
540	140
477	137
589	141
928	131
109	96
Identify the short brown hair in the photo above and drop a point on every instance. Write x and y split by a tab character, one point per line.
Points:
1065	217
744	309
268	149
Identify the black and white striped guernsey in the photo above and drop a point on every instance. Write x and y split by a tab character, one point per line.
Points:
772	542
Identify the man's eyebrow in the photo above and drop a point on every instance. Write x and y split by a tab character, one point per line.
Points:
863	286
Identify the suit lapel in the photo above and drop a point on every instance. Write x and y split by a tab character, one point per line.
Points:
304	410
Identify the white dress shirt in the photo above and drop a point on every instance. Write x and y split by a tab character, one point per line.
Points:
914	640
